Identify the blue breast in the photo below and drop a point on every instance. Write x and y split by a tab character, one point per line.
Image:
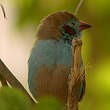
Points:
50	53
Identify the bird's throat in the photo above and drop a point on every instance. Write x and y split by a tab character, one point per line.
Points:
67	39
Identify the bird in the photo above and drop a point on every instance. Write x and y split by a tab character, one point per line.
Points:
51	56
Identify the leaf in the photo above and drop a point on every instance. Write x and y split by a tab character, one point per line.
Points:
49	103
13	99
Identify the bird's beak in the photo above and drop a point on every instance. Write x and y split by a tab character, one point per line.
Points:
84	26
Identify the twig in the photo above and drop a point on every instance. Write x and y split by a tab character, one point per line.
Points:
77	8
3	9
3	81
7	75
77	75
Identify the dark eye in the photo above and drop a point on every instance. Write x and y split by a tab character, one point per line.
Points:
73	23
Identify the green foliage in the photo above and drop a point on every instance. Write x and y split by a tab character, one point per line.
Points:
13	99
32	11
49	103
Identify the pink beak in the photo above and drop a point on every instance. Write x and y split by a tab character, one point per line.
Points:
83	26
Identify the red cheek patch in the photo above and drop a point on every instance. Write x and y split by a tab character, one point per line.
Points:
68	30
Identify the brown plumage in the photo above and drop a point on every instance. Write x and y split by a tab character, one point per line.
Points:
49	28
52	82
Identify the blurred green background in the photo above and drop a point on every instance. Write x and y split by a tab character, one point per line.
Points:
96	41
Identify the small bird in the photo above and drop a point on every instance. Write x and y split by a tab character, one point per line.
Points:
51	57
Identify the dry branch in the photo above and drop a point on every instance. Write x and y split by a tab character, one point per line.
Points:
76	76
8	76
3	10
3	81
79	5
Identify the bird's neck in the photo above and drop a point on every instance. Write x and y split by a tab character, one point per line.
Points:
67	39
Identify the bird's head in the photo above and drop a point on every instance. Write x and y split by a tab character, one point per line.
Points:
61	25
